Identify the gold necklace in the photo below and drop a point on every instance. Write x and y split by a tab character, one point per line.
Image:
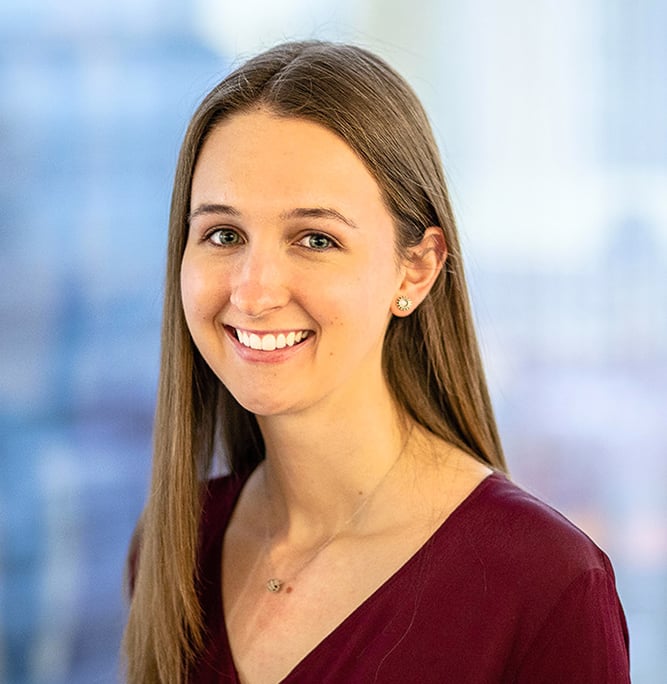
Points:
275	584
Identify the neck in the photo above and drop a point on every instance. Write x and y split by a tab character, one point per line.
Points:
320	468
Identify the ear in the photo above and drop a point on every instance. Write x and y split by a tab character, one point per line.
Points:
420	268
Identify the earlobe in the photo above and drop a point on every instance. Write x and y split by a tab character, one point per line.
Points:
403	303
421	268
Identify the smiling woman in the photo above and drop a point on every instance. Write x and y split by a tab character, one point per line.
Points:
313	335
276	266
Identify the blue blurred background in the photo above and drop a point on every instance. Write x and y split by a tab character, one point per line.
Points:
552	119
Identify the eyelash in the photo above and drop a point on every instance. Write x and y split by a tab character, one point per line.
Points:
210	237
332	243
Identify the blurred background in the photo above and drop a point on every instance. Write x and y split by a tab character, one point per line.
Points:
552	119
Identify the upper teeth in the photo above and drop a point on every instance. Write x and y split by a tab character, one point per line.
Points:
269	342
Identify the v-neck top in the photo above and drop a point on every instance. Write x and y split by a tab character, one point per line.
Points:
505	590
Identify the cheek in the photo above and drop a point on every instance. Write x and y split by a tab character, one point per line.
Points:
189	291
358	306
198	293
378	288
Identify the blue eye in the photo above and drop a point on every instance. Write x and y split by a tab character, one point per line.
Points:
318	242
224	237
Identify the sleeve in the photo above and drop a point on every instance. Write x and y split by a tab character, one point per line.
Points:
584	639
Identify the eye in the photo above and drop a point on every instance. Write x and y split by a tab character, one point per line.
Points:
224	237
318	242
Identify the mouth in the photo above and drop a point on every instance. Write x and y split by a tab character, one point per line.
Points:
269	341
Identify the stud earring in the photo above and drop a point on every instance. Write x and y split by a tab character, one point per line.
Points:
403	303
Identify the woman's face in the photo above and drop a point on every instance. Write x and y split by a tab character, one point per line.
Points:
289	271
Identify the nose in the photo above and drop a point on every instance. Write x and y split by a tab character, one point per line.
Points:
260	282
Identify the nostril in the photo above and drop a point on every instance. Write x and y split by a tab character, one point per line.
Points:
254	299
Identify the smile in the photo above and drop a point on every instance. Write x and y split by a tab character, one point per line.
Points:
270	341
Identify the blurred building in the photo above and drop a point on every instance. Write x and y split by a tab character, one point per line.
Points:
95	98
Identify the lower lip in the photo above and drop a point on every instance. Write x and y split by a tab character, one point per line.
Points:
260	356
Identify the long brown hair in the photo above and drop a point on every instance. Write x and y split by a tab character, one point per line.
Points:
430	358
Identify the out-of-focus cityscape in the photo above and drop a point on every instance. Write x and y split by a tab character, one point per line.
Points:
553	124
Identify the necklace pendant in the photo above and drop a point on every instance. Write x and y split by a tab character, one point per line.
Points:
274	585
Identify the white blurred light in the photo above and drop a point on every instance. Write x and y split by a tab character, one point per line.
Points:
240	28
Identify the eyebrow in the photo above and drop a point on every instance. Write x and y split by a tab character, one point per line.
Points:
319	213
299	212
204	209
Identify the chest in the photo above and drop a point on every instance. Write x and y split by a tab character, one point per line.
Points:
271	633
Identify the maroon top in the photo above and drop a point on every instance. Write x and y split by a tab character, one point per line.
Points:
506	590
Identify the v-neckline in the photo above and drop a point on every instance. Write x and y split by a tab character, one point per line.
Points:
376	595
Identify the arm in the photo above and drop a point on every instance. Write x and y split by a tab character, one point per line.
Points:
583	639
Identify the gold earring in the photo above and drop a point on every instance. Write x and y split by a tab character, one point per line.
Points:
403	303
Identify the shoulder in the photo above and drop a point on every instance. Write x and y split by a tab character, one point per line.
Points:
518	553
557	582
521	529
536	582
219	497
224	488
219	494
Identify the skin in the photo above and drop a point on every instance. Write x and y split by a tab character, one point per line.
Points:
285	272
289	232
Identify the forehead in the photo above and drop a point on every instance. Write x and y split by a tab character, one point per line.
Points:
280	159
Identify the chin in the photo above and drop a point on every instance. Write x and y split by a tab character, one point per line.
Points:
264	406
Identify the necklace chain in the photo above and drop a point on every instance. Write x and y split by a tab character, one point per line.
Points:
274	584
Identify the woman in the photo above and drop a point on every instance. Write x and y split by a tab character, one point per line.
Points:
317	333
